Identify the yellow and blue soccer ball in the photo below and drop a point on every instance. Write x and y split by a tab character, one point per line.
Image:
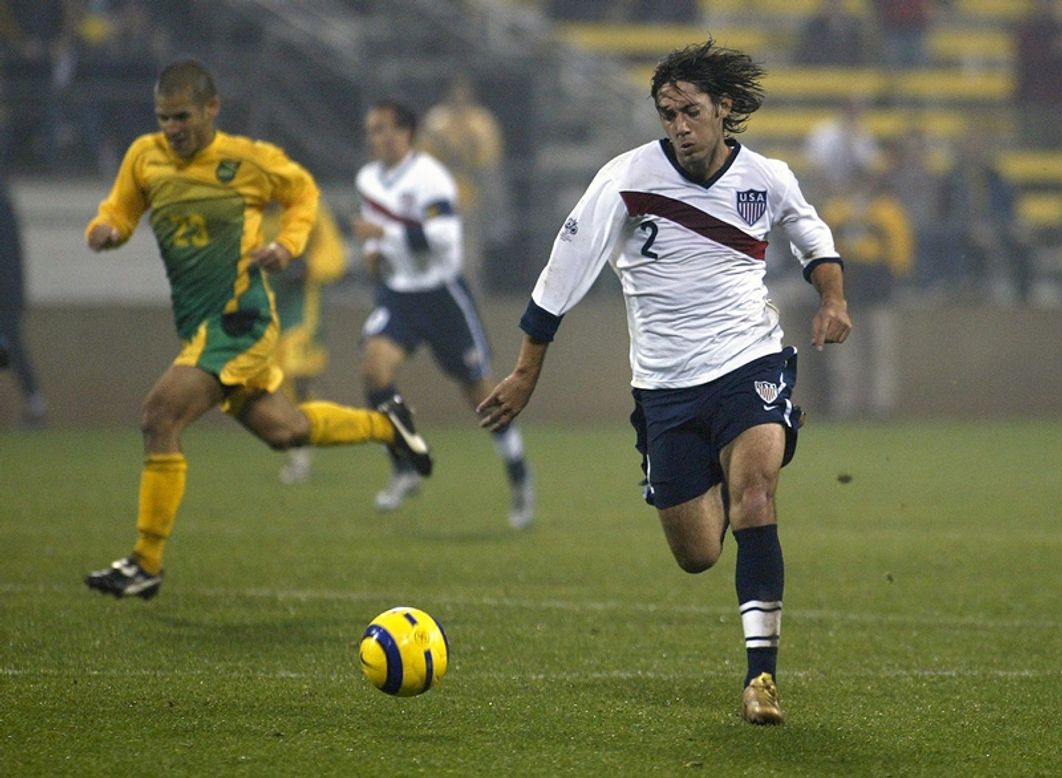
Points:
404	652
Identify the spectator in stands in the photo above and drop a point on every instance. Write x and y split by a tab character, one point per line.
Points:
903	25
465	136
580	10
908	170
655	12
12	306
832	36
38	37
1038	76
874	235
841	148
981	217
117	42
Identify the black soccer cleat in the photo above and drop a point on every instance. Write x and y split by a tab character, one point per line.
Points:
408	445
125	578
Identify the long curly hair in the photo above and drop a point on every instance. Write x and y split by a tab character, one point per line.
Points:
718	72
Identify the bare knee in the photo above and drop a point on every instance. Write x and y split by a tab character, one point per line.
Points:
158	420
697	560
276	422
694	531
753	505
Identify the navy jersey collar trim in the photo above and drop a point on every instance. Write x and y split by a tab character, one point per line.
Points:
669	152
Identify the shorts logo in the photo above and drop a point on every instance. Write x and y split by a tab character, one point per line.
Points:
751	205
226	170
570	228
375	323
472	358
767	391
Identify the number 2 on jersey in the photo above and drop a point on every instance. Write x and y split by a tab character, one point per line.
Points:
651	228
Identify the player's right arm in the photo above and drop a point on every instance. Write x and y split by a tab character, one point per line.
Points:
585	243
118	215
513	393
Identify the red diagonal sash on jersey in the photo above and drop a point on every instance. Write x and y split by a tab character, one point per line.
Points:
717	230
382	209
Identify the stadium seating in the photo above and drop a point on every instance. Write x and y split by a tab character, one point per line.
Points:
969	77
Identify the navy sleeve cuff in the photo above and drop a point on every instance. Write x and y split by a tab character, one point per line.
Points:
538	323
816	262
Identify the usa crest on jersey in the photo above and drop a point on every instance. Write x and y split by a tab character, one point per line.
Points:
751	205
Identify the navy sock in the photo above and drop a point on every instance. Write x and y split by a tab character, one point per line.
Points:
517	471
759	580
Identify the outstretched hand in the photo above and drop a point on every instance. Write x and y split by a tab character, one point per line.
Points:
506	401
272	257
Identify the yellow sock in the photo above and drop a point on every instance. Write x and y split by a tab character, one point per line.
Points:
332	424
161	489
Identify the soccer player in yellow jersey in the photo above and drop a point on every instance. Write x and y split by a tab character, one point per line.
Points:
205	191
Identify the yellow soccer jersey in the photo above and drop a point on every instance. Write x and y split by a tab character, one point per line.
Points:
206	213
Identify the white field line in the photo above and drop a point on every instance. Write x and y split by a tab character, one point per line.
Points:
575	606
618	675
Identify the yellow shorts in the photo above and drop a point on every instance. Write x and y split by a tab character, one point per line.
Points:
240	349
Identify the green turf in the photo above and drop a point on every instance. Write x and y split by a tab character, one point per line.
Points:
922	632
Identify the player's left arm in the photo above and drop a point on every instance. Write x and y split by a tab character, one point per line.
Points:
440	227
831	323
294	188
812	244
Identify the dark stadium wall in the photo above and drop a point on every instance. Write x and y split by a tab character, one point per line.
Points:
95	363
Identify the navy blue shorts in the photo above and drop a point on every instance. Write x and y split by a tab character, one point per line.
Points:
681	432
445	318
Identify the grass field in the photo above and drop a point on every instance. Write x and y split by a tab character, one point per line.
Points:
921	636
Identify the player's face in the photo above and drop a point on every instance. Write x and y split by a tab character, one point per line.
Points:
694	125
387	141
187	124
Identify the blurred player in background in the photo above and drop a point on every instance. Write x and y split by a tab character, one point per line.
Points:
411	240
684	221
13	349
299	292
205	190
466	138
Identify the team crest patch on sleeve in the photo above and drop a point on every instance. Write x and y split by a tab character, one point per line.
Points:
751	205
767	391
226	170
570	228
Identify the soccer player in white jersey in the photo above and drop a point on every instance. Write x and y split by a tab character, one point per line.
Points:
411	236
683	221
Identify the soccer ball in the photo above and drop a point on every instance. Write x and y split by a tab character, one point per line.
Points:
404	652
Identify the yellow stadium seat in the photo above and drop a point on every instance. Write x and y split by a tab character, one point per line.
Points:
1041	209
869	84
1032	166
655	40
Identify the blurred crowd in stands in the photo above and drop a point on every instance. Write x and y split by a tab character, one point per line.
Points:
67	70
72	75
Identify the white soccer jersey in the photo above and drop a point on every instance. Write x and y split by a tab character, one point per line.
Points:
689	256
416	204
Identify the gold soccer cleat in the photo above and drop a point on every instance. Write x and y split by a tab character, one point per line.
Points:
759	701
